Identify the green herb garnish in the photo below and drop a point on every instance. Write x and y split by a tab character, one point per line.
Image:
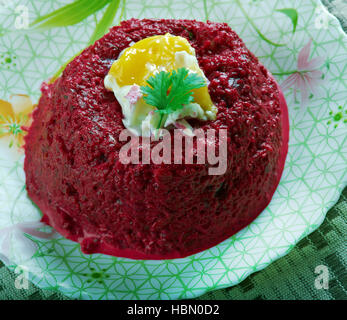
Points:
170	91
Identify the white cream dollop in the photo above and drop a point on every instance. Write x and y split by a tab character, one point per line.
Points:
140	118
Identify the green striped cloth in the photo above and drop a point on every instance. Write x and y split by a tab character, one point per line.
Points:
291	277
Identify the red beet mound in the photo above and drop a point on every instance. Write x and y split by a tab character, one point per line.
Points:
148	211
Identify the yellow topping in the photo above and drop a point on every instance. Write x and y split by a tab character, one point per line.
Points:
152	55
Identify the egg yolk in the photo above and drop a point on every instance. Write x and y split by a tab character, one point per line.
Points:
150	56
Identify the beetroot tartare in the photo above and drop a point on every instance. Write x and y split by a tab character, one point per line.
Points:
154	211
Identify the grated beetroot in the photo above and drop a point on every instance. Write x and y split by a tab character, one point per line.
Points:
72	166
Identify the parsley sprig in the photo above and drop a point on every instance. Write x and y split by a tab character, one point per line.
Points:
170	91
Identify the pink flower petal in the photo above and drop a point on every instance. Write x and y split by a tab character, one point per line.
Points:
290	81
314	84
28	247
31	228
303	91
296	85
303	56
315	63
30	224
38	234
314	74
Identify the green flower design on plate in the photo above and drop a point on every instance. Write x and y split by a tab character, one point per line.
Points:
339	117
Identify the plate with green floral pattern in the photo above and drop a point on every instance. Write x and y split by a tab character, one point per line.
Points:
298	41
